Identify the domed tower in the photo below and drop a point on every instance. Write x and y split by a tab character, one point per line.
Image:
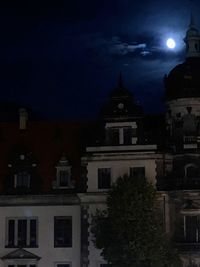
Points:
182	86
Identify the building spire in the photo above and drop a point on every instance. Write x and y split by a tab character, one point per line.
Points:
192	22
192	39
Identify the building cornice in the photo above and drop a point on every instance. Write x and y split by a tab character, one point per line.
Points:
39	200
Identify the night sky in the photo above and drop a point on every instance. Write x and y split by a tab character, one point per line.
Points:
63	59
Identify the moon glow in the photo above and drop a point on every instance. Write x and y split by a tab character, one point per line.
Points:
171	43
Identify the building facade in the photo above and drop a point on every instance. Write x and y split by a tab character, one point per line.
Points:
52	179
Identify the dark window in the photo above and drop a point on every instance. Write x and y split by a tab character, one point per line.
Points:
104	178
22	233
22	179
128	136
64	177
63	265
105	265
114	136
137	172
192	171
11	232
33	233
21	265
191	230
62	231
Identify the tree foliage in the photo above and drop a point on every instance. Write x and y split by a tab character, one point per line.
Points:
130	231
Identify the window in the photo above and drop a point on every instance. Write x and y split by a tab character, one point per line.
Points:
104	178
191	171
64	178
62	231
137	172
21	232
63	265
114	136
191	229
21	265
63	174
127	136
22	179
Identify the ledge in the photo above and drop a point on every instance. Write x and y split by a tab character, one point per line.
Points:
37	200
122	148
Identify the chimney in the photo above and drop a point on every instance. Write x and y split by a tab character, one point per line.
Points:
23	118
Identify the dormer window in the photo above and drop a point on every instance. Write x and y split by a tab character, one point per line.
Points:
22	173
22	179
64	177
63	174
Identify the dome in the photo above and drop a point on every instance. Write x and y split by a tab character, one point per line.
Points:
183	81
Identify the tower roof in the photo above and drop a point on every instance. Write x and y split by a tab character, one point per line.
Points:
121	104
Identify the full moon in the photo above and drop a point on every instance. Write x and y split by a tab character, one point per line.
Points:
170	43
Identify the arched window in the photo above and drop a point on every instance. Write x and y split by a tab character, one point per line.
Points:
191	171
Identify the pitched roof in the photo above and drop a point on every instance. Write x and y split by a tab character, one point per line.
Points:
20	254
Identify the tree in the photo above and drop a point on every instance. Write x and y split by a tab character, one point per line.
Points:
130	231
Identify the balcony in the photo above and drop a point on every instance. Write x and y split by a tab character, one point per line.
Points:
178	183
188	246
190	139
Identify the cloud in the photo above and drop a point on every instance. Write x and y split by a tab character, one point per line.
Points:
146	46
116	46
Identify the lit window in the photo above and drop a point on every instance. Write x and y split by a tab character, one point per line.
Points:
21	232
62	231
104	178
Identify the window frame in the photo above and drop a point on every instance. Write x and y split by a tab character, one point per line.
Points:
197	230
16	175
64	170
16	229
137	167
56	245
98	178
60	169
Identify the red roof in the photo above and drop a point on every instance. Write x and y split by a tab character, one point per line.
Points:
47	141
